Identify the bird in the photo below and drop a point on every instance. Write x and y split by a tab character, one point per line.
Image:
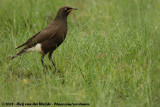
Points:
48	39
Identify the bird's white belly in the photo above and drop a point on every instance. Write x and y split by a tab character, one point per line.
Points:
36	48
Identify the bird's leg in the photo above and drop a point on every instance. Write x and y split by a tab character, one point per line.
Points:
42	60
50	58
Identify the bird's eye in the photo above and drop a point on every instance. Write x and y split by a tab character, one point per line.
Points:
65	8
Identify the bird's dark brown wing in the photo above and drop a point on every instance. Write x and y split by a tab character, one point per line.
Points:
43	35
28	40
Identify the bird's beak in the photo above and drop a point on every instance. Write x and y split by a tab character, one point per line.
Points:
75	9
72	9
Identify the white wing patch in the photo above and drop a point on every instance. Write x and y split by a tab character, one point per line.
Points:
36	48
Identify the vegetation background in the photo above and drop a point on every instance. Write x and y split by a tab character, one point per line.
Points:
111	56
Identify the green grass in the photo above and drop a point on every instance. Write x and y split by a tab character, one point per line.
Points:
110	58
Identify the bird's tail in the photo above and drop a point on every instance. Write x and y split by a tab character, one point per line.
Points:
19	53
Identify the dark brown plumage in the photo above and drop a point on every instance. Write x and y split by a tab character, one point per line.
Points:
47	40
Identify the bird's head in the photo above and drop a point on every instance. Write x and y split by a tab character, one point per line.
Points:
64	11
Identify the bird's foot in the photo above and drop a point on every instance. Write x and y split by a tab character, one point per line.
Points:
57	71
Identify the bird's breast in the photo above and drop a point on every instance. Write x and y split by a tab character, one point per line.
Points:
61	34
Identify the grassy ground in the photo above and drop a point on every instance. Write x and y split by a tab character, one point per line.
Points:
111	56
